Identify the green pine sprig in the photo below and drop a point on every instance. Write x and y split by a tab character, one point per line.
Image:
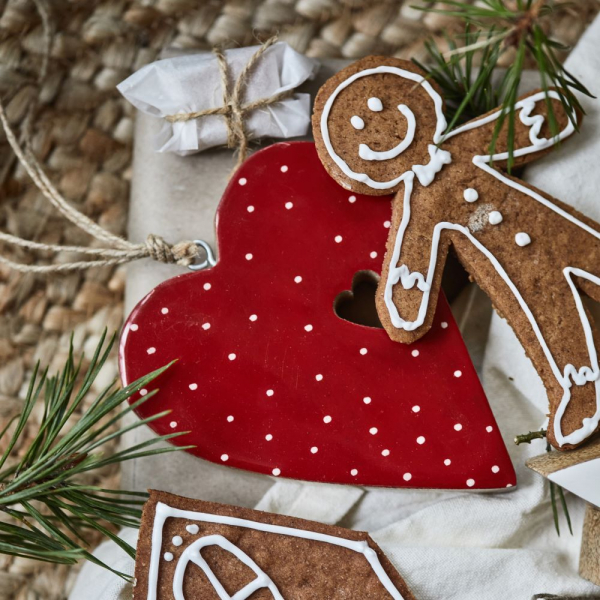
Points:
49	510
527	438
493	27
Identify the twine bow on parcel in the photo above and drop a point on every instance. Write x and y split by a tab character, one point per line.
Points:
234	110
119	250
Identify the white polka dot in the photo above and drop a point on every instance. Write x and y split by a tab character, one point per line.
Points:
447	462
143	392
385	452
308	327
168	556
357	122
164	311
373	254
133	327
270	392
206	326
509	485
375	104
298	279
193	529
457	373
470	482
284	168
268	437
177	540
444	325
522	239
242	181
367	400
231	356
289	205
250	208
224	457
415	353
193	386
314	450
495	469
458	427
326	419
421	440
495	217
230	419
276	472
253	317
207	286
319	377
373	430
407	476
249	256
363	351
416	408
173	424
470	195
354	472
489	429
338	238
151	350
352	199
387	224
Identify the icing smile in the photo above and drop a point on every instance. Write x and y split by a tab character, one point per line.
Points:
367	154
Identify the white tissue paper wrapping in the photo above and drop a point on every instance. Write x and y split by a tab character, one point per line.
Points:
186	84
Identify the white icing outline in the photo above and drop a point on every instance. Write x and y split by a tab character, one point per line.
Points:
193	554
409	279
164	511
363	177
411	125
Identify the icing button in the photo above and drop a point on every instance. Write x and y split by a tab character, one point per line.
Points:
470	195
522	239
495	217
375	104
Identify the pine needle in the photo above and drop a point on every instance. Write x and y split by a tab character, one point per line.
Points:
492	27
51	508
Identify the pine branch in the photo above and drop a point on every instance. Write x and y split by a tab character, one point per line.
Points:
49	510
494	27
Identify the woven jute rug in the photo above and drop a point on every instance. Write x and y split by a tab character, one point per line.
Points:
82	130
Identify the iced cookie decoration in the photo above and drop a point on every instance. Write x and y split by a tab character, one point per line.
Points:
379	129
271	379
195	549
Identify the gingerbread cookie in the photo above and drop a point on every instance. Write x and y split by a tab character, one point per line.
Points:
194	549
379	128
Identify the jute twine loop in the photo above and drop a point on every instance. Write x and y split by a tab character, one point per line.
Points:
233	110
121	251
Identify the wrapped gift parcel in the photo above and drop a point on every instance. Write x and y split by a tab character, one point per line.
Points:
191	84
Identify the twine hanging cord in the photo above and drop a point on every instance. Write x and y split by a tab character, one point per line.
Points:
122	251
233	110
186	253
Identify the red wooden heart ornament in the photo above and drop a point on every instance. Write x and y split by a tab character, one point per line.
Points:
270	379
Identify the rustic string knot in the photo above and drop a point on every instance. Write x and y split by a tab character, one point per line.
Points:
233	110
183	253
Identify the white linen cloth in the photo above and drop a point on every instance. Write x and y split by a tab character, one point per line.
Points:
464	545
191	83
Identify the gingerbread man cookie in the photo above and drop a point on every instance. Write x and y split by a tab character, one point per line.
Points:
379	128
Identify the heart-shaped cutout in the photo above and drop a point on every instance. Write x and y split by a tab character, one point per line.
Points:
270	379
358	304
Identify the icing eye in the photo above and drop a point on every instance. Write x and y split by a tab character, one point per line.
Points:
375	104
357	122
